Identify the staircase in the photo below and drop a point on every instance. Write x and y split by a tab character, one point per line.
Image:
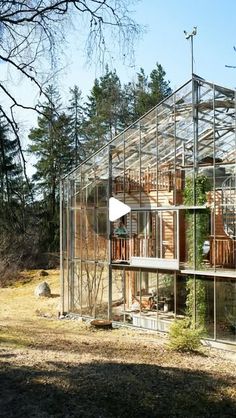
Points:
229	206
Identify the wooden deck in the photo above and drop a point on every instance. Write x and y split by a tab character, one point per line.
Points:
222	250
147	181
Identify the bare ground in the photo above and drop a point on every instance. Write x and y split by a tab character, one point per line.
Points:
64	368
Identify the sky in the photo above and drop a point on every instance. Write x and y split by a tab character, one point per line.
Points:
164	42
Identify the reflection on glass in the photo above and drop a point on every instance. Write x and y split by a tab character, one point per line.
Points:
226	309
94	287
205	304
118	298
181	296
166	293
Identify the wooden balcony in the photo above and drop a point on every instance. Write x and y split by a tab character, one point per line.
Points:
136	246
121	249
148	181
222	250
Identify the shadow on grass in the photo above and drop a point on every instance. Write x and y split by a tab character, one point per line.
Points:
7	355
109	389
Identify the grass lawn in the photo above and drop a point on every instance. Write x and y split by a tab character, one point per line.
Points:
65	368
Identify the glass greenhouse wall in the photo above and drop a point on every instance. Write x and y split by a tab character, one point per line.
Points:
176	256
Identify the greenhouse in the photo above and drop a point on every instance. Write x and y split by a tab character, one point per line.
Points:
173	253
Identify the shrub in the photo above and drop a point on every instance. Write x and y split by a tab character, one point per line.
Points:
183	337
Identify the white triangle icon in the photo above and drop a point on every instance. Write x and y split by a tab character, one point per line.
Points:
117	209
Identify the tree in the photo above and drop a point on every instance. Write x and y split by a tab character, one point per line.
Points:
159	87
104	110
51	143
17	236
76	113
12	194
148	91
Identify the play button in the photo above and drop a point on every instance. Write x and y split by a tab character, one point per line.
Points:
117	209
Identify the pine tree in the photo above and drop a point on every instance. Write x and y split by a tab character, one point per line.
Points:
159	87
147	91
51	143
76	113
105	111
12	193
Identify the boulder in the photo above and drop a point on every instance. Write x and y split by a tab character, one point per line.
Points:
43	273
43	289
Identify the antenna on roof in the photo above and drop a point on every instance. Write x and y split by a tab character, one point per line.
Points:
190	36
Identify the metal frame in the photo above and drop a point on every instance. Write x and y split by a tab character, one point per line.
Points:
193	130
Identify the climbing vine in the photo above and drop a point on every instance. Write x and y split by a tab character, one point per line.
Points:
201	219
196	291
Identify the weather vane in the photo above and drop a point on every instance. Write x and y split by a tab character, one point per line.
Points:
190	36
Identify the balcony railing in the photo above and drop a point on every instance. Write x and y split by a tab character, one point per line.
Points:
125	248
121	249
223	252
147	181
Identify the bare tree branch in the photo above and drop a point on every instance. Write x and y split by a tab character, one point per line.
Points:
32	31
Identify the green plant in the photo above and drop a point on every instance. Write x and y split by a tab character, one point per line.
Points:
196	293
197	227
197	222
183	337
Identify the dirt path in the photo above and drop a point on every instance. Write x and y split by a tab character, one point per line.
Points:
62	368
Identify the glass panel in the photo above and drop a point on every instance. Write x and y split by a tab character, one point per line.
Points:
101	239
117	161
90	235
101	280
76	290
88	289
148	285
154	234
226	309
165	299
148	174
132	165
195	299
94	288
77	229
196	232
205	304
181	296
118	295
132	297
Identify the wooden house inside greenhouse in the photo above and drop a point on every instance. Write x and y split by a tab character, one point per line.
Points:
173	254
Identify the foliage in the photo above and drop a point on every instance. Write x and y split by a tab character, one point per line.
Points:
196	222
34	32
105	111
196	301
166	285
202	186
52	144
76	122
110	107
147	92
183	337
32	37
198	225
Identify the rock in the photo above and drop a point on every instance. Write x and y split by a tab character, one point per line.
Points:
43	273
43	289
